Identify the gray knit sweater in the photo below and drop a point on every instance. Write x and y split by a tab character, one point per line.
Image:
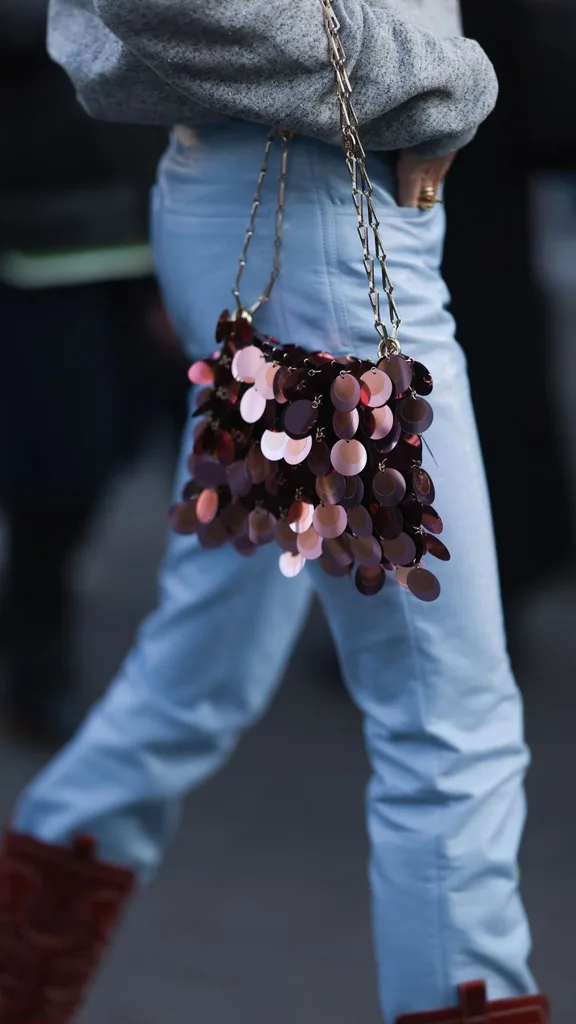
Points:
417	82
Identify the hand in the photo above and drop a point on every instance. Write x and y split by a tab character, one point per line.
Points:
416	173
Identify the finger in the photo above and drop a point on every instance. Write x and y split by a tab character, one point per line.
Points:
415	175
432	179
435	172
409	186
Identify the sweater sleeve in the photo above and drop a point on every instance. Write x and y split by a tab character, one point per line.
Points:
269	63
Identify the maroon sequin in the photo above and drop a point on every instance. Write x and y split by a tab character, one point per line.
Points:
367	551
183	518
369	581
354	493
208	472
423	487
345	393
401	550
423	584
415	415
422	382
319	459
388	522
223	327
400	372
299	418
360	521
331	488
389	487
431	520
435	547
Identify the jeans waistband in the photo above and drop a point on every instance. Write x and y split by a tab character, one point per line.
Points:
233	151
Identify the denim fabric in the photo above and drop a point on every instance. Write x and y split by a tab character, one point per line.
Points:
442	714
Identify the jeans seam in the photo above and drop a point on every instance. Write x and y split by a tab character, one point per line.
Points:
442	923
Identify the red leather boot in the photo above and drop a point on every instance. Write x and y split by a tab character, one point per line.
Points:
58	910
474	1008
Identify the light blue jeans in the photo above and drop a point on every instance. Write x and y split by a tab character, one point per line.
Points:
442	714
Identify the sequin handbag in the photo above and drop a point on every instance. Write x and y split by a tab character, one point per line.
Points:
321	454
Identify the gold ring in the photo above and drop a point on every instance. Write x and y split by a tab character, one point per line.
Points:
428	198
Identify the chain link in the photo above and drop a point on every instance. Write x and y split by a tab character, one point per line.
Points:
362	190
285	140
368	223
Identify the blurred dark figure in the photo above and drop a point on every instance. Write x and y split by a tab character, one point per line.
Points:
88	362
546	77
497	303
550	131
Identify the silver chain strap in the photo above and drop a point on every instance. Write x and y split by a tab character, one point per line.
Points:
368	223
285	139
362	190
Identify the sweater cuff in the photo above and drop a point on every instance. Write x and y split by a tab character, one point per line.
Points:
444	146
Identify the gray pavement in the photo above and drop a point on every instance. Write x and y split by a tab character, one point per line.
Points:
260	914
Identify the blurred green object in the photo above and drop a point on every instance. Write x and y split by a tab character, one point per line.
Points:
59	268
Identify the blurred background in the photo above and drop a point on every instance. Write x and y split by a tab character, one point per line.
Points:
261	911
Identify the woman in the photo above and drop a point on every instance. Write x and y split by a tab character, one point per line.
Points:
443	717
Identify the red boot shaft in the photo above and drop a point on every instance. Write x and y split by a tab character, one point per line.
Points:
474	1008
58	910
